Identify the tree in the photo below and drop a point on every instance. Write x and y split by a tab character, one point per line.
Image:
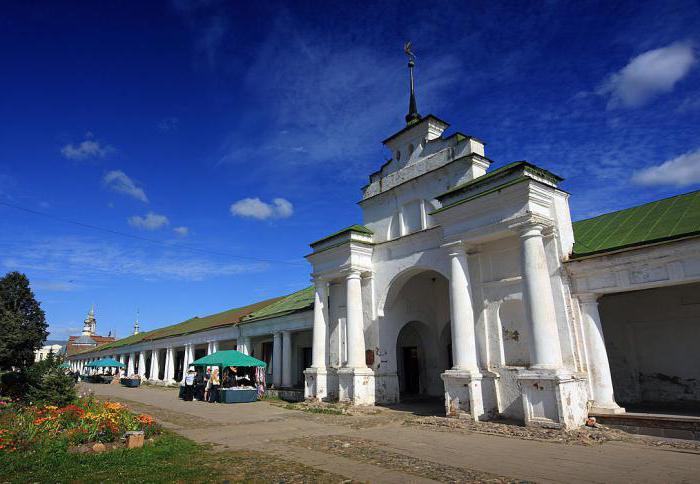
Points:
48	383
22	322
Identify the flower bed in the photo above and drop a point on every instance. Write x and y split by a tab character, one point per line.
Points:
88	420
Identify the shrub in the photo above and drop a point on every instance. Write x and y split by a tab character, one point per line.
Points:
48	384
43	383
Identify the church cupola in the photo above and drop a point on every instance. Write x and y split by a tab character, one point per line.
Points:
90	323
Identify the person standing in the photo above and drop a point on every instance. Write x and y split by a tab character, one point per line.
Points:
189	386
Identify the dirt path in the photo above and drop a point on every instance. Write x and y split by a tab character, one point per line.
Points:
381	448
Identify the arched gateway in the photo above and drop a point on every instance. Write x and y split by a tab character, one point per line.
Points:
451	287
415	318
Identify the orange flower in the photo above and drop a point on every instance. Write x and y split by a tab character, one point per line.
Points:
146	419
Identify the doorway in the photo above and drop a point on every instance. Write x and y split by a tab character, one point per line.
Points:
411	370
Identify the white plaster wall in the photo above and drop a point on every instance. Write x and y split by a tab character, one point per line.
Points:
652	341
379	211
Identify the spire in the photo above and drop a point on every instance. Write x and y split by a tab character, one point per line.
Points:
412	115
89	325
136	323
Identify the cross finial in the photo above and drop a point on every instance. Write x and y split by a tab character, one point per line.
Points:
412	115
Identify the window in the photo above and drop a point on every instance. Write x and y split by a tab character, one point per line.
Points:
410	150
397	155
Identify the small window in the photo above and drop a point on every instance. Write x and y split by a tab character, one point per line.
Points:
410	150
397	155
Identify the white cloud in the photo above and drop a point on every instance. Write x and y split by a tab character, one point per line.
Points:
649	74
680	172
256	208
182	231
89	261
118	181
151	221
85	150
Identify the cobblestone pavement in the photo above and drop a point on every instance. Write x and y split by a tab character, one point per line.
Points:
406	445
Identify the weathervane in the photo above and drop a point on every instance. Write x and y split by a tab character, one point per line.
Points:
412	115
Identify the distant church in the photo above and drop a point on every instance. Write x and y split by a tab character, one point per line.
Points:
89	337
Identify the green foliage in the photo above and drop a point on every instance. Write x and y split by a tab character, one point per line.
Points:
22	322
48	384
44	383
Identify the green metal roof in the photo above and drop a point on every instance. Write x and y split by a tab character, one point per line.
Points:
360	229
297	301
666	219
279	306
505	169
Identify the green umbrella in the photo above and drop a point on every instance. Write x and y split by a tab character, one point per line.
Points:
106	363
228	358
64	366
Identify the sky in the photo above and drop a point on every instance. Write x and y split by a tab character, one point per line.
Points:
176	158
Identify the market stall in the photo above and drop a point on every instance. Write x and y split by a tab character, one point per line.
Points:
242	377
106	363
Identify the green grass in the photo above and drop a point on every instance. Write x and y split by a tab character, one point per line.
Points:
170	458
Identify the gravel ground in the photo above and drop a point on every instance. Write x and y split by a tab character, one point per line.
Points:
366	417
581	436
369	452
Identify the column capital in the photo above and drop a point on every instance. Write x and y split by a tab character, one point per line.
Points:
588	297
455	248
318	279
352	273
532	226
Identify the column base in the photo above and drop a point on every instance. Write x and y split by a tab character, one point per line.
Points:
356	385
606	409
463	395
316	384
553	398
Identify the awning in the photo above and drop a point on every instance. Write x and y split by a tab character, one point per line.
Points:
228	358
105	363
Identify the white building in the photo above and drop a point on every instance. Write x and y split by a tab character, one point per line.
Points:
473	285
50	348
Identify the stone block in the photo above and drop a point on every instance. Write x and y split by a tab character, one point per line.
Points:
134	439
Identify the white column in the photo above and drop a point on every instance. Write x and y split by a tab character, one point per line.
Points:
170	365
155	364
319	357
214	346
243	344
277	360
598	364
130	370
461	311
209	349
286	359
142	364
545	350
355	324
186	361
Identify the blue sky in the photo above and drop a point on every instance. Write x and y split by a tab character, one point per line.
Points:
204	144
